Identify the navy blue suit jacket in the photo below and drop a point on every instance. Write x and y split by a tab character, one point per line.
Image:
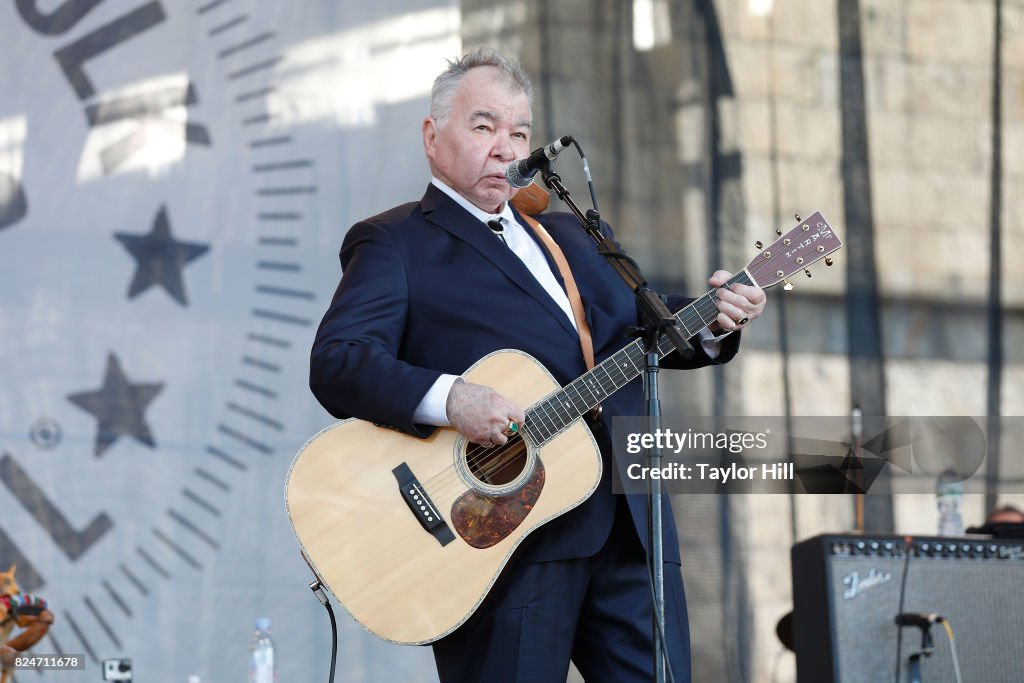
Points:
427	289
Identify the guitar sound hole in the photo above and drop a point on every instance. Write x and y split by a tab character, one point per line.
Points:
500	465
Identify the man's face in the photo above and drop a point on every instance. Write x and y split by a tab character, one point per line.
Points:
487	128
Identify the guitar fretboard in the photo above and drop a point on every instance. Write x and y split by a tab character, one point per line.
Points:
548	417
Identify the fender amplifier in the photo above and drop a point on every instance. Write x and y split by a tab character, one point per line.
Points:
846	595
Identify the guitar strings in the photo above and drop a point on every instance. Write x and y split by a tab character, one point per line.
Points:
476	454
688	316
479	453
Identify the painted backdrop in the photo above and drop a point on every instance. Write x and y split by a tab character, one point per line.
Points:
175	179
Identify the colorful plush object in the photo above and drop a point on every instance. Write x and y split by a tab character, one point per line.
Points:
21	610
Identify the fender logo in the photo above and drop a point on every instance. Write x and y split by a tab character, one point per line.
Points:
855	584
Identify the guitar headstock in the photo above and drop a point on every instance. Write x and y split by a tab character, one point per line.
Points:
811	240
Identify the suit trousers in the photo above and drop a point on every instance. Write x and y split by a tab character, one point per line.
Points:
596	611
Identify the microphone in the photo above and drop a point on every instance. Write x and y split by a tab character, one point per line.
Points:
922	620
520	172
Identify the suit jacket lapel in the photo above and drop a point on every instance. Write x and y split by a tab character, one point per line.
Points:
440	210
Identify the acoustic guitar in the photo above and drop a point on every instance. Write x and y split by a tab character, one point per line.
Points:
410	534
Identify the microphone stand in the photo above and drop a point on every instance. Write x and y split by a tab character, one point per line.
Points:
658	321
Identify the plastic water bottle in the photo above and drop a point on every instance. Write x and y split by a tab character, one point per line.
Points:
949	496
261	662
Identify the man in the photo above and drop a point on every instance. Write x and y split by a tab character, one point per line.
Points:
428	289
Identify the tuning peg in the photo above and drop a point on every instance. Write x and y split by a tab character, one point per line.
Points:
778	231
759	244
797	216
807	272
828	261
788	286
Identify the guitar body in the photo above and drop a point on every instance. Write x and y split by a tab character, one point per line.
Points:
358	531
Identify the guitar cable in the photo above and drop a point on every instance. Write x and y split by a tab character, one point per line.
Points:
908	546
318	591
952	650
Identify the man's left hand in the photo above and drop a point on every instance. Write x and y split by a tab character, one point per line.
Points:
738	305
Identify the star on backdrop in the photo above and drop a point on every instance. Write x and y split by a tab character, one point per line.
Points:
160	258
118	407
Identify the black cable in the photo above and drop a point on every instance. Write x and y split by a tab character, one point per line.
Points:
586	173
318	591
334	640
903	595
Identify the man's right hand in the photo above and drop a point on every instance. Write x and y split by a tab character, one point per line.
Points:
481	414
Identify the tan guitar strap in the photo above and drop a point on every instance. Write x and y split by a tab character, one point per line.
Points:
586	343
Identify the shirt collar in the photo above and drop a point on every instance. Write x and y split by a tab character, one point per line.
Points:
473	209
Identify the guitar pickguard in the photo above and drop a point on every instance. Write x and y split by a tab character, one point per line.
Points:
484	520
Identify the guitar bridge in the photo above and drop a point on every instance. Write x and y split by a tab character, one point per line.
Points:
421	506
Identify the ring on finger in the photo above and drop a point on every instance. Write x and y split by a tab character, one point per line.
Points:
743	321
511	428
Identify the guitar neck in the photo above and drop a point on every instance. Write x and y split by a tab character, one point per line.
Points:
548	417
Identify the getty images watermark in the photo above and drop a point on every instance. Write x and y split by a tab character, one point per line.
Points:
816	454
